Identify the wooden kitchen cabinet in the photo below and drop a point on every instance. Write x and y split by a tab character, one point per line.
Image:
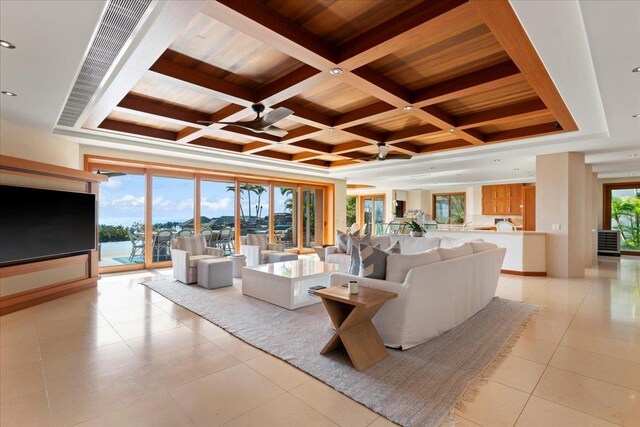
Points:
502	199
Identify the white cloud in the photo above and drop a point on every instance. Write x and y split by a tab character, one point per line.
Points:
162	203
216	205
112	184
127	200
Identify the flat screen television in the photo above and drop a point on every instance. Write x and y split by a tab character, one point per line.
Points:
38	224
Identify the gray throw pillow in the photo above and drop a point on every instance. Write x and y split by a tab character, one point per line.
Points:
355	241
373	262
354	265
393	249
341	241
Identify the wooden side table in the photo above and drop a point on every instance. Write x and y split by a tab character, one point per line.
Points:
351	315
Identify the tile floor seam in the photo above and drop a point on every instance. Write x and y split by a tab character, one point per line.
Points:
574	409
595	352
552	355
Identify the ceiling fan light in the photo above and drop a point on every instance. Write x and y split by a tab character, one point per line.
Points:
7	44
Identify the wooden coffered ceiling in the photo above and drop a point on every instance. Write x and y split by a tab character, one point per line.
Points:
467	69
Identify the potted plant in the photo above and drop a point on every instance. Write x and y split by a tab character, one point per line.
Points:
416	229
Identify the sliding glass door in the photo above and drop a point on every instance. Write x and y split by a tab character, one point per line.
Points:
217	213
121	212
312	217
172	213
622	212
285	216
254	208
373	214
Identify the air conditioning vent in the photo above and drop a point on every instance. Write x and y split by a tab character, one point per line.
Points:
117	25
609	242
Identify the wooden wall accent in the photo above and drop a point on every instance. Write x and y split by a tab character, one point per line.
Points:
73	280
466	67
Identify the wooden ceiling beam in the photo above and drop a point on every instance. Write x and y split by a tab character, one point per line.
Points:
411	133
218	144
362	115
527	131
255	146
444	146
504	114
146	107
305	155
315	146
383	83
406	148
411	26
262	23
274	155
317	162
338	163
179	75
507	29
306	116
132	128
365	134
487	79
349	147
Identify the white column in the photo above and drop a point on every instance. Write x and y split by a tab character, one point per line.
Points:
560	212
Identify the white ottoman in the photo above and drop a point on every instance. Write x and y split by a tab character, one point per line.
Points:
215	273
239	262
281	257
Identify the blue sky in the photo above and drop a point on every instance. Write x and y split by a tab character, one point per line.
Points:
122	200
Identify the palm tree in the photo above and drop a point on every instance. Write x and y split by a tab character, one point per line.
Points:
288	203
232	188
625	211
259	190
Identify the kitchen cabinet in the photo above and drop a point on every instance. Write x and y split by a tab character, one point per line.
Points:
502	199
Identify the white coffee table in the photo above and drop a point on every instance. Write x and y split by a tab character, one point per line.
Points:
286	284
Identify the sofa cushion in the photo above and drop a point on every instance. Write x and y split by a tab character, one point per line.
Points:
195	245
456	252
416	245
399	265
384	241
341	241
355	241
373	262
482	246
193	259
354	265
343	261
450	242
393	249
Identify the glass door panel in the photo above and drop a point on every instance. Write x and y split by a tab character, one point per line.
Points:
378	216
312	217
217	210
254	209
285	216
121	213
352	202
368	215
625	216
172	214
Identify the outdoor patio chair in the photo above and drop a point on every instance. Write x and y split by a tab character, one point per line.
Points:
162	245
185	232
225	241
137	245
207	233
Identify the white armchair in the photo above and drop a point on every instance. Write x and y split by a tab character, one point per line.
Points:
264	247
185	254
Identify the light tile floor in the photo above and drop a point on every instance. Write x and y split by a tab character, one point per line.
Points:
121	355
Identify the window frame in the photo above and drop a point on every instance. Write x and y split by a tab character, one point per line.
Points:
448	195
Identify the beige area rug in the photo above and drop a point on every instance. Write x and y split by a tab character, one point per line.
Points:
417	387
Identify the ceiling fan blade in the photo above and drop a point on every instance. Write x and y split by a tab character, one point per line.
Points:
272	130
398	157
276	115
109	174
206	122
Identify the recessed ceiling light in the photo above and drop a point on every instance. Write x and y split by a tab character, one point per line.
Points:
458	174
331	129
516	169
6	92
634	155
636	70
7	44
432	167
496	160
335	71
452	130
408	107
629	174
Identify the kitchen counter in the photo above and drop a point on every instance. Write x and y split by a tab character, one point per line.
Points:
525	249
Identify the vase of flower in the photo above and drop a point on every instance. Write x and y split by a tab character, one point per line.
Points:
416	229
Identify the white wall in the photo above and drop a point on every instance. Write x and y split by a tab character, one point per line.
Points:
26	143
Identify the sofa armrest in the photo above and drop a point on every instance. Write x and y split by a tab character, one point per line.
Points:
337	279
330	250
214	251
180	261
278	247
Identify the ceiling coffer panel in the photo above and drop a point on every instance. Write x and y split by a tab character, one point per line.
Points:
118	24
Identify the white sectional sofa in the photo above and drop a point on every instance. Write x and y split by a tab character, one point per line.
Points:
408	245
434	297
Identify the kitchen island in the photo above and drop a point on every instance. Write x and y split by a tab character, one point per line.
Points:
525	249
